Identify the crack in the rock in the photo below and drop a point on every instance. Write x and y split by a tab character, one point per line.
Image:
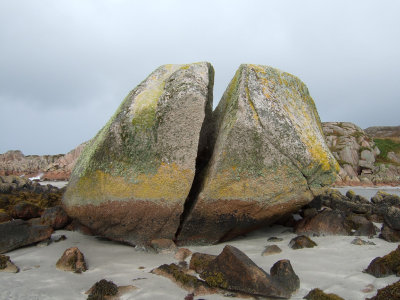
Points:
204	152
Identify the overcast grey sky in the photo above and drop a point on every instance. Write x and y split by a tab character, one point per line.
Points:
66	65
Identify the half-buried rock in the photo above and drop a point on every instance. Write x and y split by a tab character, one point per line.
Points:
269	157
131	181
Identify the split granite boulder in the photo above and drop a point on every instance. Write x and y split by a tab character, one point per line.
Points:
166	167
131	181
269	157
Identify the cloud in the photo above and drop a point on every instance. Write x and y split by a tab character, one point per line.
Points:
66	65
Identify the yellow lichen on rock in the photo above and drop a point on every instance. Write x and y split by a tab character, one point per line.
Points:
170	183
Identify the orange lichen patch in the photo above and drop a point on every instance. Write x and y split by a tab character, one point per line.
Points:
169	183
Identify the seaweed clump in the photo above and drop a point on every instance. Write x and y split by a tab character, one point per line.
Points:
317	294
386	265
102	288
391	291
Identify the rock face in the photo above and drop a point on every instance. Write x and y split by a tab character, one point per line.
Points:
19	233
269	157
234	271
364	156
131	182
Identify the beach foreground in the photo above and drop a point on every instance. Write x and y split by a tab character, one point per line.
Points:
334	266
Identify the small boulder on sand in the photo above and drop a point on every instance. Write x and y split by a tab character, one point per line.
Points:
72	260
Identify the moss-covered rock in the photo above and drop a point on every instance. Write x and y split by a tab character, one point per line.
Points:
102	288
72	260
391	291
186	281
386	265
301	242
6	265
235	271
142	163
269	156
317	294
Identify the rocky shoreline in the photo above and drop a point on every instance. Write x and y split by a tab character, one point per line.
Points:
330	213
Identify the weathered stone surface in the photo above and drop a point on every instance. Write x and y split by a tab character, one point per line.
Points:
389	234
283	272
301	242
233	270
355	151
19	233
271	249
72	260
269	157
317	294
328	222
386	265
391	291
55	217
131	181
163	245
182	253
392	217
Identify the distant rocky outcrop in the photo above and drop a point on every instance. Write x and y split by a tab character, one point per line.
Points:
383	132
14	162
359	155
47	167
62	167
166	167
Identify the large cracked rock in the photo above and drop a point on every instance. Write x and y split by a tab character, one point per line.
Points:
131	182
269	157
166	167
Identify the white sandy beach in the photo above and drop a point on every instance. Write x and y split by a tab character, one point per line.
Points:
334	266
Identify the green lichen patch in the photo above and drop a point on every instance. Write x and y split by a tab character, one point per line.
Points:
185	280
215	279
